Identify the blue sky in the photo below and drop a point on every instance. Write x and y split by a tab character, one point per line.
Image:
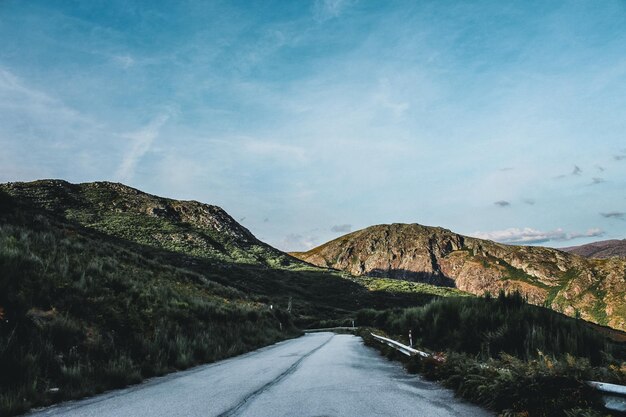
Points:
309	119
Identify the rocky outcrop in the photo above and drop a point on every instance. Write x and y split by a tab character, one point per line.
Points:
592	289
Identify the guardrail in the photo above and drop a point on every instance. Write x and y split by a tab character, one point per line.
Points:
613	396
407	350
330	329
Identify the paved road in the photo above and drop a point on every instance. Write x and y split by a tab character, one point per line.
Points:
317	375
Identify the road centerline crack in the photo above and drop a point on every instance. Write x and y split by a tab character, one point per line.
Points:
233	411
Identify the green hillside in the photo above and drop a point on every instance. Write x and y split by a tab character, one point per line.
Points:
86	306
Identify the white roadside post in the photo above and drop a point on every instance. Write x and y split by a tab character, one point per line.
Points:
353	324
410	339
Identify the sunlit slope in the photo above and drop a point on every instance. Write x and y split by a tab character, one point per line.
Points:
593	289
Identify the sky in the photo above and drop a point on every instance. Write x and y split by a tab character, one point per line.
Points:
306	120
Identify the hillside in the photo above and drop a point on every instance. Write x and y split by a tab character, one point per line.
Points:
590	288
600	250
188	227
203	239
80	314
102	285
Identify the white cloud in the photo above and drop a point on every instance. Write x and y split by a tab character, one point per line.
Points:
141	141
41	135
529	235
297	242
17	96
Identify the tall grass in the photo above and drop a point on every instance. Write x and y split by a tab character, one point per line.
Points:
512	357
79	316
486	327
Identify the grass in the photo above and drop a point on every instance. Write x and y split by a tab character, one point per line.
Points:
543	387
486	327
516	274
83	311
400	286
81	315
511	357
97	294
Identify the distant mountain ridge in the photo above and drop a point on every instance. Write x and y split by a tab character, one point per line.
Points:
600	250
593	289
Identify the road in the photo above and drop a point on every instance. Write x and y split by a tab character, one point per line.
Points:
319	374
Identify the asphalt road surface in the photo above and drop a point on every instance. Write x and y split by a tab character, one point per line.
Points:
320	374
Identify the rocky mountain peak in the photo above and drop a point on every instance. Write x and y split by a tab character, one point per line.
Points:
560	280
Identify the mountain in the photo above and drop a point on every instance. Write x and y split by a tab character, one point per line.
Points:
600	250
102	285
206	240
188	227
81	312
593	289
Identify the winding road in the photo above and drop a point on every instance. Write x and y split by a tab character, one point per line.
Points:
319	374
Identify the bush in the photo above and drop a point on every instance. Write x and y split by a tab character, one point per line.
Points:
488	327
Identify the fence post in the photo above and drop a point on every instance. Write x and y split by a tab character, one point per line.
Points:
410	339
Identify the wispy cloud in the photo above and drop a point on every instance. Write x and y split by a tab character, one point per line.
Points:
17	95
328	9
274	150
529	201
577	171
341	228
597	180
614	215
44	136
140	143
502	203
297	242
529	235
124	61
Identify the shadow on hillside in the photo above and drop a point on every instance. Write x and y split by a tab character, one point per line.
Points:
406	275
314	292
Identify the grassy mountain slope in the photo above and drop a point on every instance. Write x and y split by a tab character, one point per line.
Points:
600	250
593	289
188	227
102	285
204	239
80	314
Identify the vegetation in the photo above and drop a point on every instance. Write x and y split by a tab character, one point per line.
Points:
549	277
82	311
485	327
79	315
512	357
398	286
102	285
